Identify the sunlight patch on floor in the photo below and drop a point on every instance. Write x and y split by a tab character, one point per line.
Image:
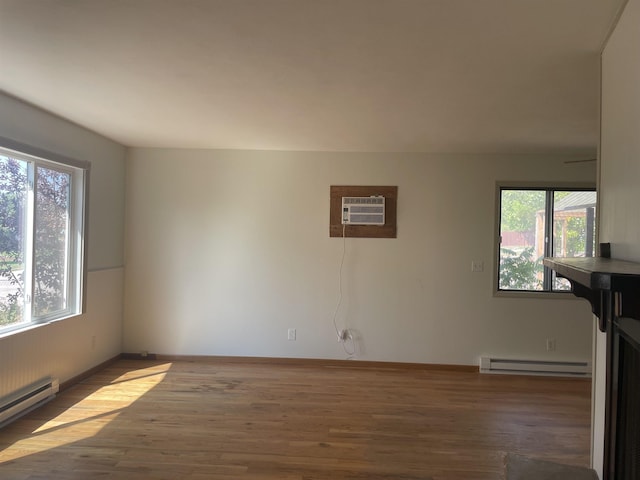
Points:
80	421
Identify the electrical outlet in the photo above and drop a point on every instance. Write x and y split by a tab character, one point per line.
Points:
551	344
477	266
291	334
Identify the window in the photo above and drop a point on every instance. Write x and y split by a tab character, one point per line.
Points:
41	237
539	222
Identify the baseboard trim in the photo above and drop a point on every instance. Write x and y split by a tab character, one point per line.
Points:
329	363
86	374
285	361
138	356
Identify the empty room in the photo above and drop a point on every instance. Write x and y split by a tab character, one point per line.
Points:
305	240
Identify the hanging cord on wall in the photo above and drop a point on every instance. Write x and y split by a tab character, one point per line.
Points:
343	335
344	250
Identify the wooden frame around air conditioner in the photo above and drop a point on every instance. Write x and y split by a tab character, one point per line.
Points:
388	230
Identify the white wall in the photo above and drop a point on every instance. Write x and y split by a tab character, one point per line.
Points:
226	250
619	168
67	348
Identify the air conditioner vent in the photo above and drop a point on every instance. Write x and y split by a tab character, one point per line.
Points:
363	200
363	210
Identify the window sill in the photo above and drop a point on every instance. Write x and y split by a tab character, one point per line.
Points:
542	295
32	326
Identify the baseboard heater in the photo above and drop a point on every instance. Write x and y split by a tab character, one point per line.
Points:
27	399
534	367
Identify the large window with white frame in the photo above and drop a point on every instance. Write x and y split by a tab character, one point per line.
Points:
538	222
42	237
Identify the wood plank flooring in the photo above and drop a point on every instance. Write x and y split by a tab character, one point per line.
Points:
243	421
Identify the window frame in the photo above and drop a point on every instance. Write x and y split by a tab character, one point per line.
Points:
78	229
549	188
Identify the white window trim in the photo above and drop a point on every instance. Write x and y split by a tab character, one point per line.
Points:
78	228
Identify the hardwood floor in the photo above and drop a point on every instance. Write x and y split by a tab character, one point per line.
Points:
208	420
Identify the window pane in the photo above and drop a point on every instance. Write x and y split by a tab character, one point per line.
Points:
573	228
50	242
13	209
522	220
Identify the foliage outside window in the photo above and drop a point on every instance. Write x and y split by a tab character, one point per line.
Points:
41	239
539	222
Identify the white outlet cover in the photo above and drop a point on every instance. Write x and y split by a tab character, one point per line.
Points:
291	334
477	266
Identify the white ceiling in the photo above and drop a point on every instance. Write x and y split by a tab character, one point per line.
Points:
481	76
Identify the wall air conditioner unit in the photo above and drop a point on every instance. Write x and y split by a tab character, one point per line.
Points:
363	210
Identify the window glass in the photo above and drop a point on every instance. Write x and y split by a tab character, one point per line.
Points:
541	222
13	211
41	239
522	239
51	242
573	228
